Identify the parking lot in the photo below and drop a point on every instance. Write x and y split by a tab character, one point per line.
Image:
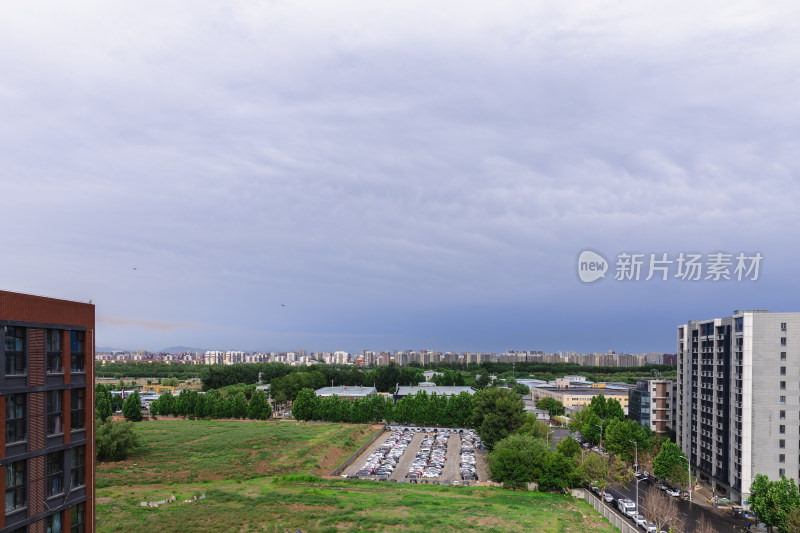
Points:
410	454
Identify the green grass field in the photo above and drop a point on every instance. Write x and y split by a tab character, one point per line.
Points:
235	463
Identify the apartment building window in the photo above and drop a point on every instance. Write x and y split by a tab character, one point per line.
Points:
739	324
76	407
783	415
53	523
15	486
783	356
781	471
52	344
55	473
78	471
781	429
782	458
76	518
783	385
783	371
783	326
783	341
76	339
54	425
16	423
782	400
15	350
781	443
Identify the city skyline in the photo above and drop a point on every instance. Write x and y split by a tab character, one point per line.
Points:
349	175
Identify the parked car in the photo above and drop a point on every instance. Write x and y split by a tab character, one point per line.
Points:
673	492
608	498
640	520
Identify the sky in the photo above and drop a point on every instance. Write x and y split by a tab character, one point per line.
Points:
397	175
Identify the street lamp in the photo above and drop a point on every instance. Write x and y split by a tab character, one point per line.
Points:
636	469
688	471
601	434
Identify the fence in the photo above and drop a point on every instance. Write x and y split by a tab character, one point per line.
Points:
623	524
350	460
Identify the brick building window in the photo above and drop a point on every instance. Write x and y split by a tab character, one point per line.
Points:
53	523
15	486
78	471
15	351
55	473
54	416
77	518
16	423
76	339
77	397
52	344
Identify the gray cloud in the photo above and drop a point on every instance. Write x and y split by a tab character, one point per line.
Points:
382	165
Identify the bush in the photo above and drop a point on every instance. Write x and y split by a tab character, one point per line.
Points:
115	440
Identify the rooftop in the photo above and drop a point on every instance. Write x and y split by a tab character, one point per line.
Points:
346	390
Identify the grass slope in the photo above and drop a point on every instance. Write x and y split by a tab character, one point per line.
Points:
235	463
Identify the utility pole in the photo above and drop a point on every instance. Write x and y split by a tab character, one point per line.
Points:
636	469
601	434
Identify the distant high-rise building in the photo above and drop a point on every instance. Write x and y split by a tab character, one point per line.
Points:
739	398
47	414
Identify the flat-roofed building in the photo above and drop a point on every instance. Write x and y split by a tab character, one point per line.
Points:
410	390
346	391
47	414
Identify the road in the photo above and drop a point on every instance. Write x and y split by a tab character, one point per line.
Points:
690	512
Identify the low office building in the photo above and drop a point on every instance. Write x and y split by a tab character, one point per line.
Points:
410	390
346	391
571	395
653	403
47	414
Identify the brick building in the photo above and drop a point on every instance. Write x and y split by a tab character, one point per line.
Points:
47	414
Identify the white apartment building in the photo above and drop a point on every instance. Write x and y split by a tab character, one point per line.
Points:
739	398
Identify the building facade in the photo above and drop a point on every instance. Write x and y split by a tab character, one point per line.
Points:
47	413
653	403
739	398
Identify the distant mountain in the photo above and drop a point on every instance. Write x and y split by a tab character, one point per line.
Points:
178	349
109	349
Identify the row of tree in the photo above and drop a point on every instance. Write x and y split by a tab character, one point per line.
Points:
421	409
776	503
213	404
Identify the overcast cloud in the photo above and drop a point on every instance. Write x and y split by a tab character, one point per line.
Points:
400	175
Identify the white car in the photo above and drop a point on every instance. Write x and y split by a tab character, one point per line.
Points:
640	520
608	498
673	492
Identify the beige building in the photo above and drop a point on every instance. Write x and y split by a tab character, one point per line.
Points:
579	396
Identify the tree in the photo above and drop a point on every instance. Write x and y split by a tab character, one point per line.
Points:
115	440
496	414
569	447
618	436
103	408
515	459
704	525
557	473
602	470
773	501
132	407
305	405
791	522
258	408
552	406
521	389
590	430
239	406
534	427
660	509
670	464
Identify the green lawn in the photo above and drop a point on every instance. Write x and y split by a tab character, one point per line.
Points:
235	463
